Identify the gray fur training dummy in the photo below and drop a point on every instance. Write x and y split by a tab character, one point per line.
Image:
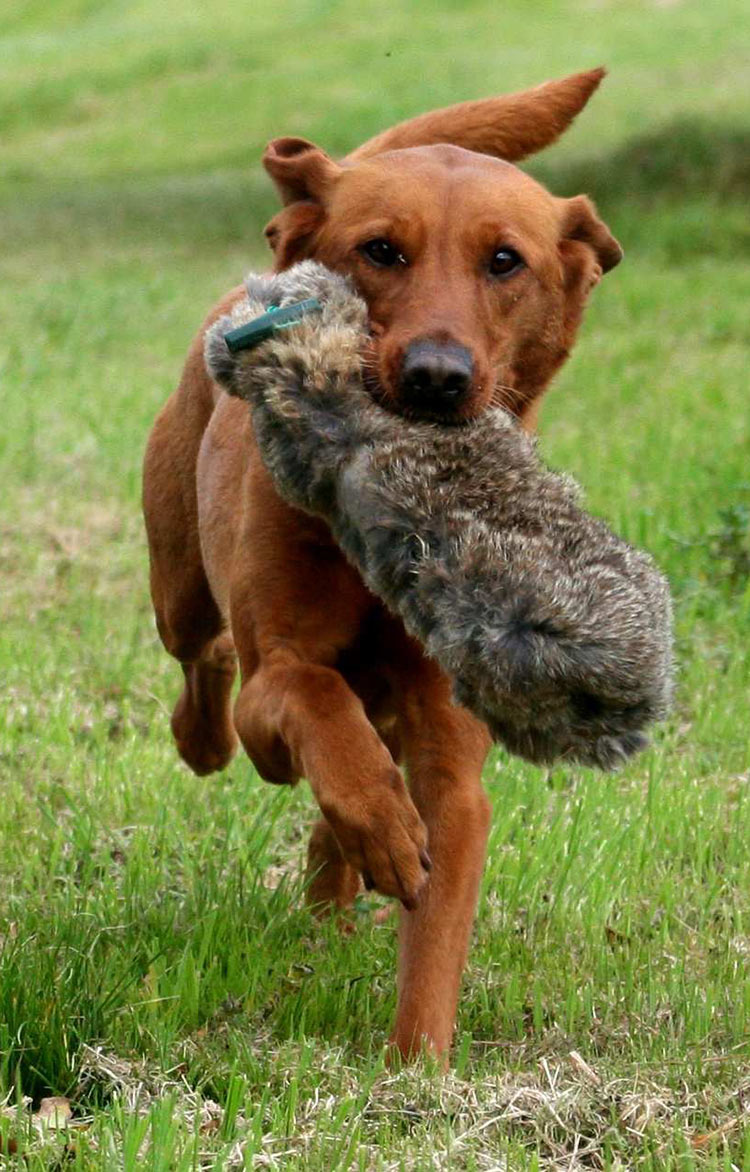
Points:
555	632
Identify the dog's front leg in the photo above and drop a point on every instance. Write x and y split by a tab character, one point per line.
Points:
301	719
445	749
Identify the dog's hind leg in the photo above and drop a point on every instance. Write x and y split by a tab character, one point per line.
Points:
445	748
187	617
332	883
202	723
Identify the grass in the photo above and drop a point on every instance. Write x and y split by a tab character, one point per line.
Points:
157	965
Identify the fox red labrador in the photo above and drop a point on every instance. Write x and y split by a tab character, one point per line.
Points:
475	278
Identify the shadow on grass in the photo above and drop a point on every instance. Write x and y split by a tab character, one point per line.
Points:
688	158
116	218
678	193
692	177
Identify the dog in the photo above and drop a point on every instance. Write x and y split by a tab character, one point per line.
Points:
475	279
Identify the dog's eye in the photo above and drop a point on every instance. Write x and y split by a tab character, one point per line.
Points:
505	261
382	253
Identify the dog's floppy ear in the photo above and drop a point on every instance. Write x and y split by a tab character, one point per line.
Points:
291	231
300	170
303	175
580	222
508	127
587	249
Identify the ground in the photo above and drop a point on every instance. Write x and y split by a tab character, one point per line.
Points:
158	970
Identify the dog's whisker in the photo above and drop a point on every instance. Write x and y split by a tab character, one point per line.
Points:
510	398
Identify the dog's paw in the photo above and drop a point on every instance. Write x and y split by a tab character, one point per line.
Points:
382	835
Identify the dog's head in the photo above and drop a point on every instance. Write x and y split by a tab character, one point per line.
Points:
474	275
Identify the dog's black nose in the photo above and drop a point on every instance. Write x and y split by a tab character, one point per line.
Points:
435	376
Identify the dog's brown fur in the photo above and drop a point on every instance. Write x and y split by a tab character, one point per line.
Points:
332	687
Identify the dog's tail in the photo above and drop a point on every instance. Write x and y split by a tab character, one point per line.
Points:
509	127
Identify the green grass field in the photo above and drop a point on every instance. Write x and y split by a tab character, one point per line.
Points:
157	965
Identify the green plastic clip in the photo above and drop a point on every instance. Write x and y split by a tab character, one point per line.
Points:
260	328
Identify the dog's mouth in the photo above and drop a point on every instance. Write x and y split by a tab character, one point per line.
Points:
381	390
395	406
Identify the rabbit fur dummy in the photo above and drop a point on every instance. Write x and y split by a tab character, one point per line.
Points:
555	632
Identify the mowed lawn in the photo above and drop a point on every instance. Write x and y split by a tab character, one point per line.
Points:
158	968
